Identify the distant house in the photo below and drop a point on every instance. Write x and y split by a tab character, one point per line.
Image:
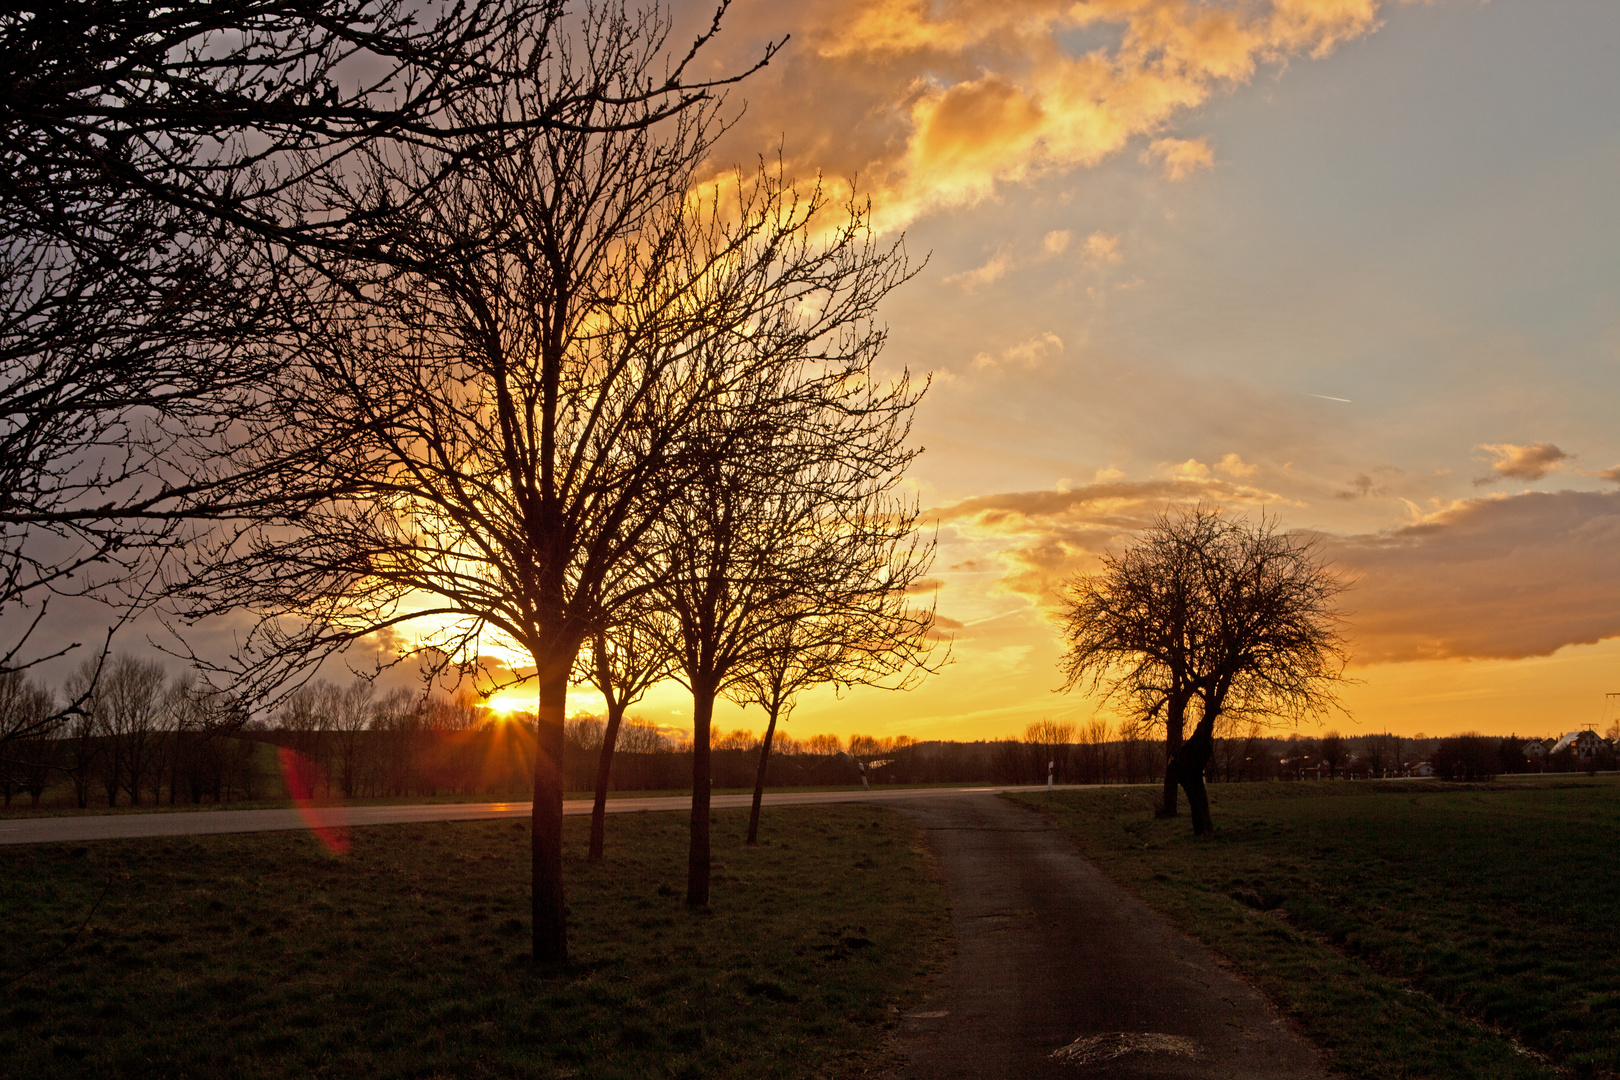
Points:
1583	744
1422	768
1534	750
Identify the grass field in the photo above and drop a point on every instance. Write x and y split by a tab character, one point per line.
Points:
1410	929
264	955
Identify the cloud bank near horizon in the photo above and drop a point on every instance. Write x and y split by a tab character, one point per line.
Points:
1498	578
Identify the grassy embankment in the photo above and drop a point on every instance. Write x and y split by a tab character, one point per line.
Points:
263	955
1411	930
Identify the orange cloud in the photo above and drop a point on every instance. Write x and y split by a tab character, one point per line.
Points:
1103	248
1522	462
1039	539
1180	158
1028	354
1502	578
1491	578
980	276
936	103
1233	465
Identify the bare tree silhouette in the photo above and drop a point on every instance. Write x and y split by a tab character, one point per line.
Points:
860	629
795	525
169	176
1238	617
513	403
623	663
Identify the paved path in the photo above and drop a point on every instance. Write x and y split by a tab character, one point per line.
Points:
198	823
1053	955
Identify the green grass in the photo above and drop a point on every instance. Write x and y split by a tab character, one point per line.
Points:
1411	930
264	955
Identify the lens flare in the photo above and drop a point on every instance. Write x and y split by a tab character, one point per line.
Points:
301	776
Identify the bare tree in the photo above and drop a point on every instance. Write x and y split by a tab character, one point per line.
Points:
1093	752
826	745
799	528
857	628
797	656
305	719
145	154
1206	608
1052	742
351	717
84	746
1134	626
27	760
623	664
511	404
639	736
171	178
1333	752
130	709
204	722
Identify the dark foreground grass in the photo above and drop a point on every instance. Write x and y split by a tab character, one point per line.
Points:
1417	930
263	955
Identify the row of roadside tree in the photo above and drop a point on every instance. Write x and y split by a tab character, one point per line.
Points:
426	333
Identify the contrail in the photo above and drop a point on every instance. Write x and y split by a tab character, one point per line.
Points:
1324	397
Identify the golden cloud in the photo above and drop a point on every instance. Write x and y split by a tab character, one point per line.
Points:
1036	540
1501	578
935	103
980	276
1521	462
1103	248
1180	158
1233	465
1028	354
1492	578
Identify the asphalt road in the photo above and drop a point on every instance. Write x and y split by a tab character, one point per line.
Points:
1053	958
200	823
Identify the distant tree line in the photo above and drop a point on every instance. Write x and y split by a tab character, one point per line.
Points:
146	738
135	737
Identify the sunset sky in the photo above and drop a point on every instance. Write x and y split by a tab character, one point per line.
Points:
1355	264
1351	263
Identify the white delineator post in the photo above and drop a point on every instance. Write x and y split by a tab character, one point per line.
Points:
1051	768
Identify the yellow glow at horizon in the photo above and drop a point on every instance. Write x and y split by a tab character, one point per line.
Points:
996	687
582	700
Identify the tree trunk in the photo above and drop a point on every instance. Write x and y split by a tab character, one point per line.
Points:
134	774
604	766
759	780
548	910
115	773
1189	765
1174	720
697	863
